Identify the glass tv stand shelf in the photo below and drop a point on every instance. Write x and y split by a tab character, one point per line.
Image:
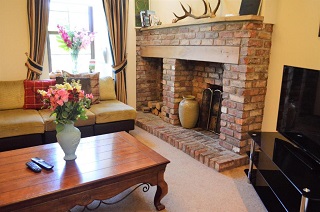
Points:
285	178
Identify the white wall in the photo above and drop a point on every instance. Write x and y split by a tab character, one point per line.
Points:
14	39
295	42
165	8
131	68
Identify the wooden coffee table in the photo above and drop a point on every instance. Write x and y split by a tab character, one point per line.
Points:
106	166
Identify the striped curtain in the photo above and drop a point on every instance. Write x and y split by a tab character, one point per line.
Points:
116	12
38	18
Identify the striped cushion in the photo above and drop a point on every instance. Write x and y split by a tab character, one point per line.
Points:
84	81
94	82
32	99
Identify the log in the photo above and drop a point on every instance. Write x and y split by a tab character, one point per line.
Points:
159	105
155	111
145	109
152	104
163	113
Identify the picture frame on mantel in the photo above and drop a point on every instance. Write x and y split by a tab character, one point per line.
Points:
140	5
250	7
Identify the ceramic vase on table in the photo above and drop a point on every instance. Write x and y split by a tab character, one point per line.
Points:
69	139
188	111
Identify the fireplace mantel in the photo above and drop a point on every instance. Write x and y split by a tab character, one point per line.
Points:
198	52
207	21
218	54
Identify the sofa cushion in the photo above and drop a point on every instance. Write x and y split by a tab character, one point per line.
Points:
32	99
84	81
11	95
49	124
94	82
106	85
112	110
20	122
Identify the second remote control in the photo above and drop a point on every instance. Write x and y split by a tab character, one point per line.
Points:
42	163
33	166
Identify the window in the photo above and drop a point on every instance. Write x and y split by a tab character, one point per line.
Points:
79	14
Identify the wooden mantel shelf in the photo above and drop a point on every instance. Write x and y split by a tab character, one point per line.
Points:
207	20
199	52
218	54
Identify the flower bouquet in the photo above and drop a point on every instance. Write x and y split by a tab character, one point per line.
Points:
74	41
67	102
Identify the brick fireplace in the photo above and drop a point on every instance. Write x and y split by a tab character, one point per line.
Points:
186	58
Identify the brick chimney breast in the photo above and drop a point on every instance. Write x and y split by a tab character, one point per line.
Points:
186	58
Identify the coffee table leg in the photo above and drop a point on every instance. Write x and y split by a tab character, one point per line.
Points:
162	190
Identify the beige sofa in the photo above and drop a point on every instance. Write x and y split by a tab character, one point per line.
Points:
21	127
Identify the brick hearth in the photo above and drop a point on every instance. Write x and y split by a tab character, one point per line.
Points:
183	59
201	145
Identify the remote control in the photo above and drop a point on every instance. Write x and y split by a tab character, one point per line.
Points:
33	166
42	163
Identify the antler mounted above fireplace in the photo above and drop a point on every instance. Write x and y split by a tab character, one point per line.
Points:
211	13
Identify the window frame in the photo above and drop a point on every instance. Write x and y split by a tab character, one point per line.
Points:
91	29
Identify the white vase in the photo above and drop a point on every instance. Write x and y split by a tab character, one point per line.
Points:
69	139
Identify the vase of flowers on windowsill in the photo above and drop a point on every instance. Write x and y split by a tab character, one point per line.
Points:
73	41
68	103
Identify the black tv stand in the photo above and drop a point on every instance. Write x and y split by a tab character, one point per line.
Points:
285	178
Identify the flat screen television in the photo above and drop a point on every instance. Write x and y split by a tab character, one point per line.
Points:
299	109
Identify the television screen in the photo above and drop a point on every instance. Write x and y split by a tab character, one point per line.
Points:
299	109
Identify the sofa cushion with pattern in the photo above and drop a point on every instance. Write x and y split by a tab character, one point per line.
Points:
32	99
84	81
94	82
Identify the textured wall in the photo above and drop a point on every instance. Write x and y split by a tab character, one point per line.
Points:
244	84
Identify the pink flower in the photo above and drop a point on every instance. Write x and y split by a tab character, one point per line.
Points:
75	40
89	96
64	35
81	95
66	101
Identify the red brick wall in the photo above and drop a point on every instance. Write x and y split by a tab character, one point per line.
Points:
244	84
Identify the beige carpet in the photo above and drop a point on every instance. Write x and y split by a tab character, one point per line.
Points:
192	186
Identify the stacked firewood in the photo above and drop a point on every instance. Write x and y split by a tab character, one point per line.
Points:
154	107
